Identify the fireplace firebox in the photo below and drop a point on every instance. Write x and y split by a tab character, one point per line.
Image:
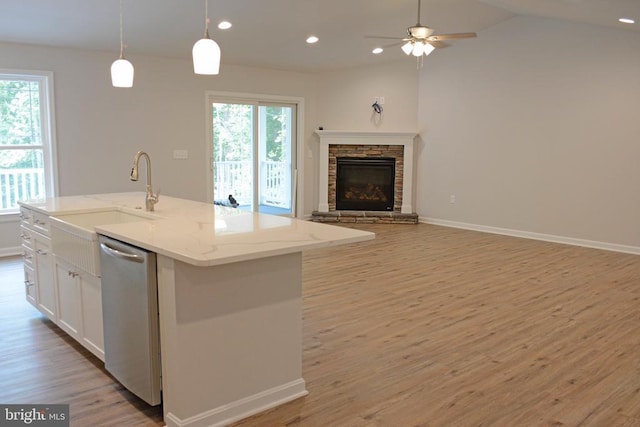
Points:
365	184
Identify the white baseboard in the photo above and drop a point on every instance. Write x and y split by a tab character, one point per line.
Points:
16	250
243	408
635	250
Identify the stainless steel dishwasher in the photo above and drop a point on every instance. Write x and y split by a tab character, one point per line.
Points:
130	311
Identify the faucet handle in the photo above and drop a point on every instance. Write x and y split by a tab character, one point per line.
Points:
151	199
155	197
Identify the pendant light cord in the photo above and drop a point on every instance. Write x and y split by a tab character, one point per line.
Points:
121	34
206	19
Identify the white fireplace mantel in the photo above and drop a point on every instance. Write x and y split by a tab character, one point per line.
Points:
331	137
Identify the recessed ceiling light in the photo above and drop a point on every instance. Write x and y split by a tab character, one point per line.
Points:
225	25
377	50
312	39
627	20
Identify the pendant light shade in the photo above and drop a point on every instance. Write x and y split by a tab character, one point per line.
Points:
407	48
417	48
428	48
206	52
206	57
122	73
121	69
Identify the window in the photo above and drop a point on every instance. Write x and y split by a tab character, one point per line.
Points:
26	138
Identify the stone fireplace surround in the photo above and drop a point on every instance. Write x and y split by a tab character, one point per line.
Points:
399	145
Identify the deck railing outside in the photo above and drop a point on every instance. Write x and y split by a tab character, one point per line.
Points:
234	177
230	178
20	184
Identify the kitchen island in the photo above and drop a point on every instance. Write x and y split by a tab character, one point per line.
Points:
229	299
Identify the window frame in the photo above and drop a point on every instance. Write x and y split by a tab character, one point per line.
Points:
47	123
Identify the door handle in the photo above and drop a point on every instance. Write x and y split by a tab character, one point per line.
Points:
120	254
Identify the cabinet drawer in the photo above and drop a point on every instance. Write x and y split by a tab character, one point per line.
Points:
41	223
27	237
27	256
26	216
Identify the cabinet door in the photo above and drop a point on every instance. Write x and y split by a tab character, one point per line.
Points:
44	276
93	336
30	285
28	260
69	299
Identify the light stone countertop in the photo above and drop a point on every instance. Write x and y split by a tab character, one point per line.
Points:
203	234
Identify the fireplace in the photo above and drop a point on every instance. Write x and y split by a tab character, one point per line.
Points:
380	190
365	184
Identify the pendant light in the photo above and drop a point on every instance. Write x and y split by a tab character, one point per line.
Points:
121	69
206	52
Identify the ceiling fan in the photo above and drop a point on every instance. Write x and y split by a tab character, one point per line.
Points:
421	40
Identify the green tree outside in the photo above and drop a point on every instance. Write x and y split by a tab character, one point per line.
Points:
233	135
19	124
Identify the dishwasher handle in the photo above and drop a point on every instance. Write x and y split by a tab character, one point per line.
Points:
120	254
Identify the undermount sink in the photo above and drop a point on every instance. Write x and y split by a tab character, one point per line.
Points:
73	236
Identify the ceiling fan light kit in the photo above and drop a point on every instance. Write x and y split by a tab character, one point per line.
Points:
419	32
420	39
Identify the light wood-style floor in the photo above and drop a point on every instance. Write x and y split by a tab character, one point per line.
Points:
41	364
424	326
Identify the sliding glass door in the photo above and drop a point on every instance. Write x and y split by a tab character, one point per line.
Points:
254	156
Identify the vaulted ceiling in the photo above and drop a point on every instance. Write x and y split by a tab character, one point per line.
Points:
272	33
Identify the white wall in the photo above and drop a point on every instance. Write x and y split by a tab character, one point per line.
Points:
100	128
345	98
534	126
9	237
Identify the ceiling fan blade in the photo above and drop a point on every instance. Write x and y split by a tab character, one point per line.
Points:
438	44
383	37
452	36
386	46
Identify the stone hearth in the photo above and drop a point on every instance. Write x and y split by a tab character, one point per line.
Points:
365	217
396	145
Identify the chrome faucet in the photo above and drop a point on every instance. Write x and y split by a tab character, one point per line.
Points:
151	199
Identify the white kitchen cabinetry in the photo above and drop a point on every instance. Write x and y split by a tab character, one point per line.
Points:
28	259
91	306
80	305
66	294
69	299
38	262
44	276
